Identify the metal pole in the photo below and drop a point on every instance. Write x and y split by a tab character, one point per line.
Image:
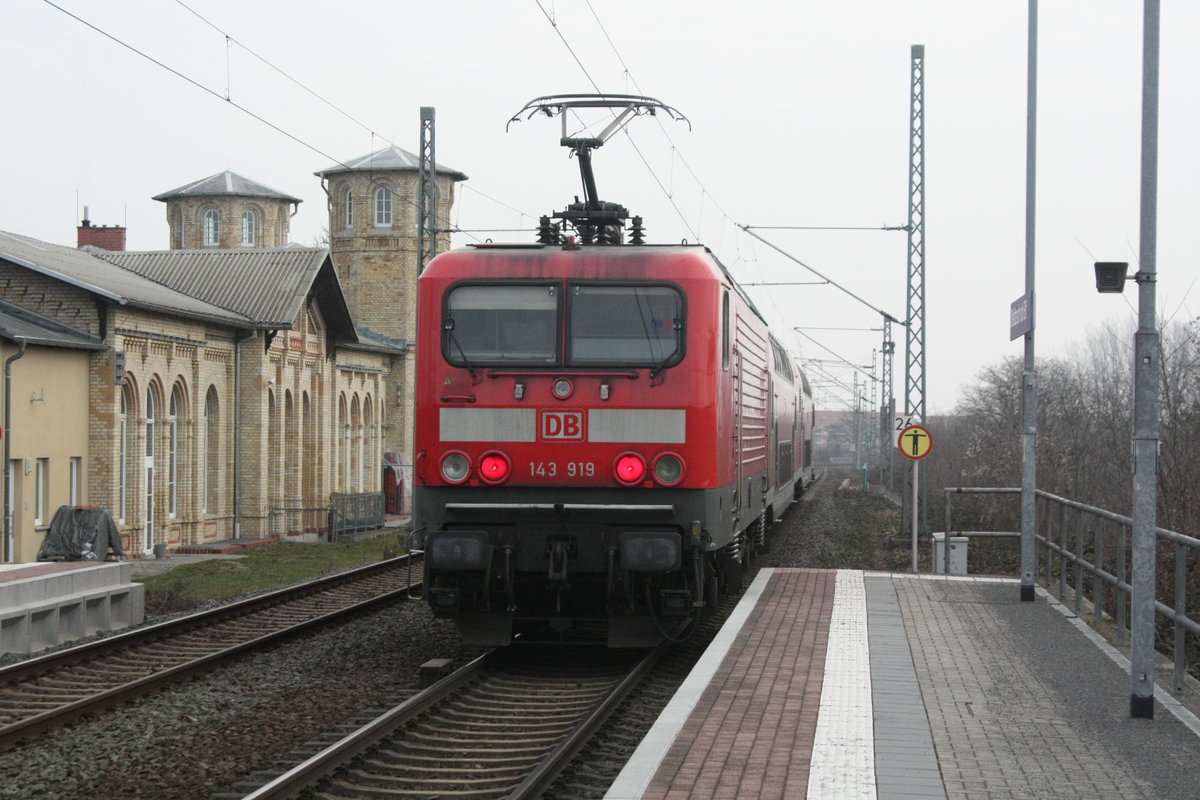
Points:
914	346
1145	388
1029	375
913	506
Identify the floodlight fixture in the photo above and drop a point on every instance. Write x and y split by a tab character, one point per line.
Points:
1111	276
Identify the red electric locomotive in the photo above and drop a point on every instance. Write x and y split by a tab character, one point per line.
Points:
603	432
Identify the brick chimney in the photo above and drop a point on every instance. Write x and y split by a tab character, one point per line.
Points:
105	237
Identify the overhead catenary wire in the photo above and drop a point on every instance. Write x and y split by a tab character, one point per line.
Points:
227	97
195	83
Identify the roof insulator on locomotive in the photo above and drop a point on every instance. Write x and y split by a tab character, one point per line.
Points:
638	234
547	233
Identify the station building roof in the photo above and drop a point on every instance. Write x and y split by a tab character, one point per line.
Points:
225	184
17	324
390	158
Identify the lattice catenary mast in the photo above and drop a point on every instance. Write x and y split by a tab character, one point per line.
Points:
914	347
427	194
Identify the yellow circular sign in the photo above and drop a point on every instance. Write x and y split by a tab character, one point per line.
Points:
915	442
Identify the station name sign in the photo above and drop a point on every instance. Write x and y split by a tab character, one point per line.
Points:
1020	316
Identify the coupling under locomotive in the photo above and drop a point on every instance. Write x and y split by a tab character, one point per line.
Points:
603	431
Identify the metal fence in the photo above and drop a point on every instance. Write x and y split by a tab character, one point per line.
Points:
349	513
346	513
292	517
1088	549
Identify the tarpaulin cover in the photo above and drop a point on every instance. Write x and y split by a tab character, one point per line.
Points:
79	533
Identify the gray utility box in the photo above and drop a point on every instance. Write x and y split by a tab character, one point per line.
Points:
958	554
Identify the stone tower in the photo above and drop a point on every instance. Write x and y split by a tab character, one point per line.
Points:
227	212
373	239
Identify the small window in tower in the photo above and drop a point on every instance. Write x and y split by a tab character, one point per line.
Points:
383	207
348	205
212	233
249	224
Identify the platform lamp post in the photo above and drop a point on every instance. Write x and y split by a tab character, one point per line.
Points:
1146	350
1110	278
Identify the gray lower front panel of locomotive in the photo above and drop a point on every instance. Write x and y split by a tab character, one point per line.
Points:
572	539
721	513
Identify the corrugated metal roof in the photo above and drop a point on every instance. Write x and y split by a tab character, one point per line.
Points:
224	184
86	270
389	158
371	341
18	323
269	286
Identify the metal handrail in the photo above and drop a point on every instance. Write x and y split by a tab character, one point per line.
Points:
1071	557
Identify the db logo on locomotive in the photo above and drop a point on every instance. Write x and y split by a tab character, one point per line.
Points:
561	426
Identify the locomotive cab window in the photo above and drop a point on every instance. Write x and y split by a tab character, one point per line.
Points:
626	326
497	325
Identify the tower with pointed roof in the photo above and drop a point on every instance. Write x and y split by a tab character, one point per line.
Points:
227	211
373	239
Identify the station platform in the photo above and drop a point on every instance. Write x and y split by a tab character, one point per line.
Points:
844	684
43	604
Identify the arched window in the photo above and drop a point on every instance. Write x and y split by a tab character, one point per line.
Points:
355	483
180	242
291	452
348	208
309	456
148	510
370	463
127	408
383	207
212	228
249	228
343	446
177	411
212	449
275	451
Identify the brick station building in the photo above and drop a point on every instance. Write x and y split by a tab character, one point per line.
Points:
197	392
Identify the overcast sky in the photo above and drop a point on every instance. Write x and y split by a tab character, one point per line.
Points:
799	116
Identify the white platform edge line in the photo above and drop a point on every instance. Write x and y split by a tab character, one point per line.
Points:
843	753
634	779
1161	695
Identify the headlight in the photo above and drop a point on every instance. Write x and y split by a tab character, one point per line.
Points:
494	467
650	552
630	468
455	467
668	469
455	550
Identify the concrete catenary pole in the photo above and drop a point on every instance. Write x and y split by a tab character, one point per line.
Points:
1146	348
1029	375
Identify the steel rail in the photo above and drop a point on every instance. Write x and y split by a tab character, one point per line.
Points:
540	780
12	677
320	766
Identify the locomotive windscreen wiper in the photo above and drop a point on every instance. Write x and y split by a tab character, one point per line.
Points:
663	364
448	327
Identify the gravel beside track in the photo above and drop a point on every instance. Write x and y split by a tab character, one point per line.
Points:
196	737
205	736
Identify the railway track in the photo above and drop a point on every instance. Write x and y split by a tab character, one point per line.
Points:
502	726
44	693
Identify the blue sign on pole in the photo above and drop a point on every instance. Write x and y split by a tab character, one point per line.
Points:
1020	316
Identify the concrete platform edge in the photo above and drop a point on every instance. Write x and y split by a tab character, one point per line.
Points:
633	780
1161	695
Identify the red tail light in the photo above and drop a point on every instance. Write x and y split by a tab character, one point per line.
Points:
494	467
630	468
